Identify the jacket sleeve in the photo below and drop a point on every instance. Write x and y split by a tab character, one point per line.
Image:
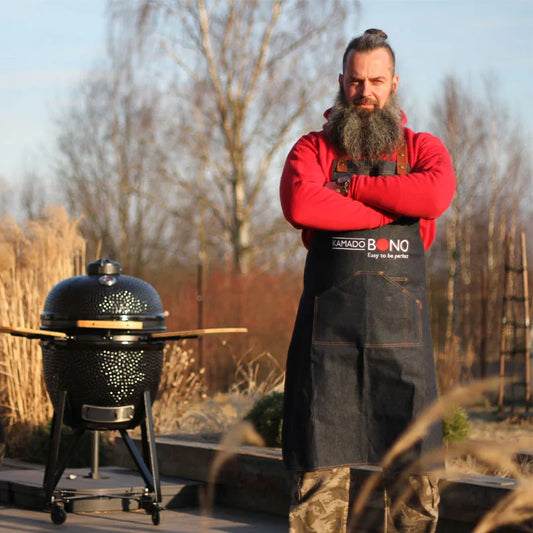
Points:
306	203
426	192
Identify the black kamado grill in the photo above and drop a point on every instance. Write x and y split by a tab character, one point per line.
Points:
108	358
102	338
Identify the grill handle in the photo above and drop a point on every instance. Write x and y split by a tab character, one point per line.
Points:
110	324
194	333
32	333
118	324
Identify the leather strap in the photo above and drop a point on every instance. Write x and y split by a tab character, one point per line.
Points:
342	164
401	160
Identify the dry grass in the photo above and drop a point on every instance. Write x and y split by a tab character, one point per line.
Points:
180	385
468	464
257	375
254	377
515	508
33	258
518	504
211	417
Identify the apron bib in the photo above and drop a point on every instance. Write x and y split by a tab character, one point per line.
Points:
360	363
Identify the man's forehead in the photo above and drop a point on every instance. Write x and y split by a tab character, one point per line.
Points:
372	62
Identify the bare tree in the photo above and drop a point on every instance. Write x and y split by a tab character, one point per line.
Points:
459	125
245	75
6	193
492	175
33	195
108	155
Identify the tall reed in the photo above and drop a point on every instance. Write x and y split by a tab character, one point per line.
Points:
515	508
241	433
34	256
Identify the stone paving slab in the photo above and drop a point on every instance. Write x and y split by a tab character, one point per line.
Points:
188	520
115	490
27	478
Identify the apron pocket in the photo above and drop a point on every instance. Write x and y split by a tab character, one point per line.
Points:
368	309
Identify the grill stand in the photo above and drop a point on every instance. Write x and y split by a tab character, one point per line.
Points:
149	500
95	451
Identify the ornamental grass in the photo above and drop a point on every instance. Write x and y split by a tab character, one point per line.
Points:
34	257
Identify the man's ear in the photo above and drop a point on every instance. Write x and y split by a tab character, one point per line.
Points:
395	80
341	79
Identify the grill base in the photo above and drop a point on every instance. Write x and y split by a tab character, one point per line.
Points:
54	469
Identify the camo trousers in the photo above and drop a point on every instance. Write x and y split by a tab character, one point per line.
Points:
320	503
418	510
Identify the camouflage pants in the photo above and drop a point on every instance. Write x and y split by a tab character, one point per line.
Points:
320	503
418	509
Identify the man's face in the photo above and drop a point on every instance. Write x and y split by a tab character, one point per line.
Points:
368	79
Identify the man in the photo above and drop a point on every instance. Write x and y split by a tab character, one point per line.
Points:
365	191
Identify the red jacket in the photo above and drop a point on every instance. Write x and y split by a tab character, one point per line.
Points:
372	202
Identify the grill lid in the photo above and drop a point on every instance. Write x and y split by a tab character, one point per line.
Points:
103	298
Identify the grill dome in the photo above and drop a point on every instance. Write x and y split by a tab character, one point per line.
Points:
108	359
103	294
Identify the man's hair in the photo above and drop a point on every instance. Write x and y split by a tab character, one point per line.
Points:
370	40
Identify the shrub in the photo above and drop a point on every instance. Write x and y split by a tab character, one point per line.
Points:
267	417
38	446
455	426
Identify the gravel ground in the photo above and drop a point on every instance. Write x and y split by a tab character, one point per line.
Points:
487	424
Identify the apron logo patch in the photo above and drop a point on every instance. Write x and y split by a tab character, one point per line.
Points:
380	248
340	243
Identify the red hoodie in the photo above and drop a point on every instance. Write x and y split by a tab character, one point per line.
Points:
372	202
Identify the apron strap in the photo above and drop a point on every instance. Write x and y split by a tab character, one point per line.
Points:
342	164
401	160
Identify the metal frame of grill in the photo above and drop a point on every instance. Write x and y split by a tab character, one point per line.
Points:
146	464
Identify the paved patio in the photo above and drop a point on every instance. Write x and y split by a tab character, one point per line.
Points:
20	509
189	520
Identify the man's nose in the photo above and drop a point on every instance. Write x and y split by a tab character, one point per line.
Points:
366	88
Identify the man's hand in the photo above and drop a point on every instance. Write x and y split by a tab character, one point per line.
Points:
342	185
333	186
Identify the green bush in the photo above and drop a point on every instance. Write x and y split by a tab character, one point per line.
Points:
455	426
39	444
267	417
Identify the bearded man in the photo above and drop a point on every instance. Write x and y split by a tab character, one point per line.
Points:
365	191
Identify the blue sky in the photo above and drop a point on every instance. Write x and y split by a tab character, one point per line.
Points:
471	39
47	46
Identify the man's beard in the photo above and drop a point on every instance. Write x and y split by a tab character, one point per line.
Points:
363	134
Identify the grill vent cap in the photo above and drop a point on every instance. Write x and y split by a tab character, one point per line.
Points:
104	267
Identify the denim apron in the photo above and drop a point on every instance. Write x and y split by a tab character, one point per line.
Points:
360	364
